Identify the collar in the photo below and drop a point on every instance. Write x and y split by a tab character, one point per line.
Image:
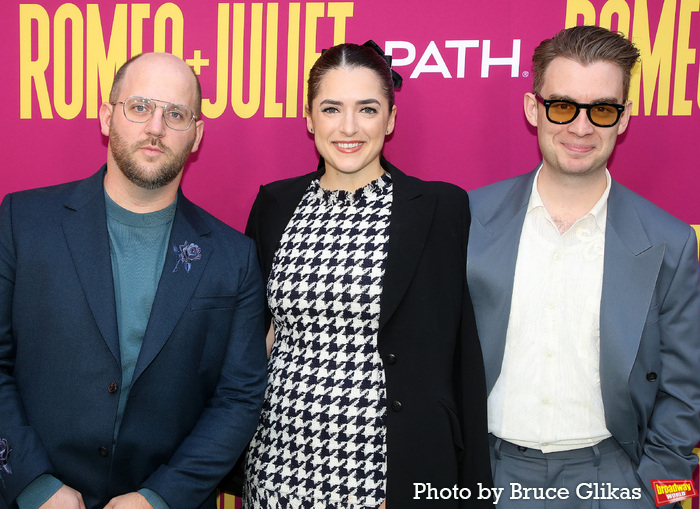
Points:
599	211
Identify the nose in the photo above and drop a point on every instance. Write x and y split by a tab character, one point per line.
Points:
156	124
348	124
581	125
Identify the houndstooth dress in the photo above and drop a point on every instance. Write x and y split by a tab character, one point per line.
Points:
321	442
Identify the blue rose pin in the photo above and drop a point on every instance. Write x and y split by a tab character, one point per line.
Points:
5	451
187	253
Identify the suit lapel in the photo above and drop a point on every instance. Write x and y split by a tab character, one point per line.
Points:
491	273
411	217
176	286
632	266
85	229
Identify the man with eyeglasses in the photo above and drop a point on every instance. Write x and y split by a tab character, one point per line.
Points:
132	350
586	301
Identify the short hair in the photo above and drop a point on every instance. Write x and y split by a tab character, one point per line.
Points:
351	56
586	44
119	79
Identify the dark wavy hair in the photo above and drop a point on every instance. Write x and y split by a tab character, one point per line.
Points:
351	56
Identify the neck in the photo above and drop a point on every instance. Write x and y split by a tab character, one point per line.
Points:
336	180
136	199
568	198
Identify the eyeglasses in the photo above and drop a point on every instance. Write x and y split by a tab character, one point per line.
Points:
140	109
562	111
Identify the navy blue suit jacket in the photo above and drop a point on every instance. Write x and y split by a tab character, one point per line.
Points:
199	381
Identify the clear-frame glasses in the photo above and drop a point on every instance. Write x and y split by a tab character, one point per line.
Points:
140	109
563	111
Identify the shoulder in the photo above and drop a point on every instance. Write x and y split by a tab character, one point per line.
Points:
221	231
500	188
659	225
484	201
44	195
46	202
285	186
444	192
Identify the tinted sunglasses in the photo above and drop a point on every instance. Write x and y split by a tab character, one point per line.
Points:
562	111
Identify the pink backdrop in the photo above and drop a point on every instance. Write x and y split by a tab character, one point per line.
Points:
465	63
460	113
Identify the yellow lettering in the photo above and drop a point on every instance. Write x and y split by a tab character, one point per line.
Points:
139	12
102	63
684	57
622	10
293	59
64	13
33	70
173	13
216	109
273	109
656	63
576	8
697	233
340	12
314	10
243	109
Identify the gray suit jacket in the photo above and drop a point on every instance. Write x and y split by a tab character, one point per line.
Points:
649	318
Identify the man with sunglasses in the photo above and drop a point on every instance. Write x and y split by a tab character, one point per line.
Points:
132	350
586	300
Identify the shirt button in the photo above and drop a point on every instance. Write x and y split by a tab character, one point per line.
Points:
112	388
556	256
545	401
551	305
396	406
391	358
102	451
651	376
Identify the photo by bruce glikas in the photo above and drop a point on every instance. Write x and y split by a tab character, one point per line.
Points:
584	491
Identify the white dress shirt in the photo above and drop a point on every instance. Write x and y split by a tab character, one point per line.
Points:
548	395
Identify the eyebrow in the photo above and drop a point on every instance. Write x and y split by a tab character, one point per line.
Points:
612	100
362	102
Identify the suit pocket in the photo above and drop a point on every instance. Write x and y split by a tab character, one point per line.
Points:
205	303
455	426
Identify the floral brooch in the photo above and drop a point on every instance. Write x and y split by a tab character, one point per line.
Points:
5	451
187	253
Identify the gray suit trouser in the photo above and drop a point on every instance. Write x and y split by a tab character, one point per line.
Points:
598	477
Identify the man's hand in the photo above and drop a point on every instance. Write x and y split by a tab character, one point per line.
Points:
129	501
64	498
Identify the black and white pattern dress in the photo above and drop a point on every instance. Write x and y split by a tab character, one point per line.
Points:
321	442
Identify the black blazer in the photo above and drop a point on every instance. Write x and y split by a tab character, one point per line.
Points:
436	397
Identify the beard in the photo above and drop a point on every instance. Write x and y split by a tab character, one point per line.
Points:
123	155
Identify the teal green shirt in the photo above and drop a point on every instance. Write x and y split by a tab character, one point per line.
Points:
138	245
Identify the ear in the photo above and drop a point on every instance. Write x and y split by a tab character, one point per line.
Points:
624	118
309	120
198	132
105	115
530	104
392	121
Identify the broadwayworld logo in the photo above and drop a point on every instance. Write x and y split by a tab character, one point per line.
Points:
672	490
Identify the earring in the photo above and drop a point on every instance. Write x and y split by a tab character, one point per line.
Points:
387	131
311	130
